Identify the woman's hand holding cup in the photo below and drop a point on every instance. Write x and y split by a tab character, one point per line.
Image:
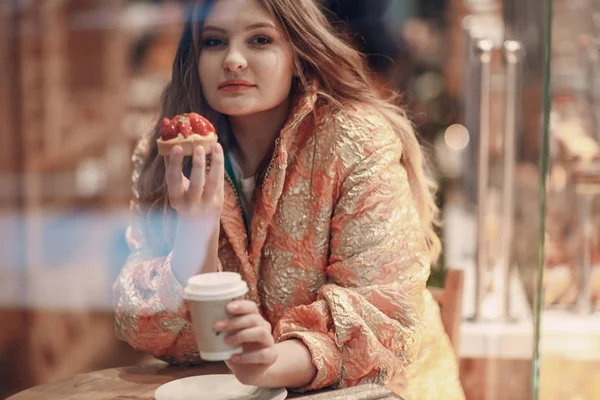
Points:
246	327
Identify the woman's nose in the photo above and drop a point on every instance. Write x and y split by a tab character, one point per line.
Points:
234	60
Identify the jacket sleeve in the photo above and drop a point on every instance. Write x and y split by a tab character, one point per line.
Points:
366	324
150	312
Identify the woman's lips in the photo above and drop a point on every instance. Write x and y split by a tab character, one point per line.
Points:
235	86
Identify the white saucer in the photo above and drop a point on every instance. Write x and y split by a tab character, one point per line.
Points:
215	387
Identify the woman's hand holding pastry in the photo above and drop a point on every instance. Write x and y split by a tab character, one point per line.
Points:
202	194
198	202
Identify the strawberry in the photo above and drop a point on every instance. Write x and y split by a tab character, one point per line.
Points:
201	125
184	128
167	129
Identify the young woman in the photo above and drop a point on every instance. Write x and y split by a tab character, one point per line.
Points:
316	195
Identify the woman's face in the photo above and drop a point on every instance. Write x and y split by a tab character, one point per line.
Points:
246	64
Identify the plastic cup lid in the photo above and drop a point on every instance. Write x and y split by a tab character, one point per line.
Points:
215	285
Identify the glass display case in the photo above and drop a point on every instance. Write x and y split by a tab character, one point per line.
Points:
494	218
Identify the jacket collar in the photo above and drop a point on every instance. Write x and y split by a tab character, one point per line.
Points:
268	199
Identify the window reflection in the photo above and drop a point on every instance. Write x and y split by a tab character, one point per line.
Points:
82	83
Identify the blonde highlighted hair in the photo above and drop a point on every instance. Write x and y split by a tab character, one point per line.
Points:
320	54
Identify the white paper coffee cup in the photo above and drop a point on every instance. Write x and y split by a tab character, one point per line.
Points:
208	296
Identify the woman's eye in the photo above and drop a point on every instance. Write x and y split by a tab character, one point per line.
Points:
212	42
260	40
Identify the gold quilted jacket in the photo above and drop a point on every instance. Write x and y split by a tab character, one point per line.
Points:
337	260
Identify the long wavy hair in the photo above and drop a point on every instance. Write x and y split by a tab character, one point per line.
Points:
321	54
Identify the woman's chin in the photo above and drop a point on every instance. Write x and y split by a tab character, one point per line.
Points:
238	110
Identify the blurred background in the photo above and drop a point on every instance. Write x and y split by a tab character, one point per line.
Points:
81	81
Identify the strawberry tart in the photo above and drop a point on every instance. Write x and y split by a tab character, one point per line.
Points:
188	131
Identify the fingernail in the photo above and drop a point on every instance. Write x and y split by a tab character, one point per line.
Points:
217	148
235	357
219	326
232	307
176	152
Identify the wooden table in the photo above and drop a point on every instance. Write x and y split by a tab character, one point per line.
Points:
140	382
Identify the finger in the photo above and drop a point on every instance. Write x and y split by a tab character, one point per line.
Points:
257	334
238	323
197	176
268	355
214	182
174	175
242	307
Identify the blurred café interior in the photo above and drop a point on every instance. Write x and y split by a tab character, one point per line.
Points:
81	82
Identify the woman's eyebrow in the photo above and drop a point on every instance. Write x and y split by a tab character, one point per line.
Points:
213	28
248	28
260	25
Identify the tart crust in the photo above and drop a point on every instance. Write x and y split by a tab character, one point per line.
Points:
188	144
